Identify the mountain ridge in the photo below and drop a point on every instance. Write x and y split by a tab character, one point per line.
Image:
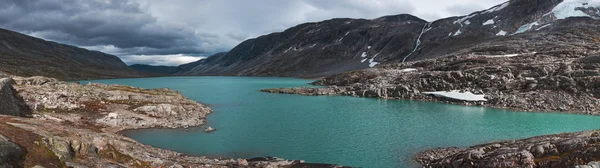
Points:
351	44
23	55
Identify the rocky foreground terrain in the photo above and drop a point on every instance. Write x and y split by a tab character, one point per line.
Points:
580	150
76	125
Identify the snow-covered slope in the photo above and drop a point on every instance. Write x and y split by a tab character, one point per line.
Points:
565	9
577	8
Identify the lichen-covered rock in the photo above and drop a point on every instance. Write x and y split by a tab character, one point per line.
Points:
117	106
61	148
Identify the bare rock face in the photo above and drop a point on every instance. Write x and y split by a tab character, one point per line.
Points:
560	150
9	102
11	155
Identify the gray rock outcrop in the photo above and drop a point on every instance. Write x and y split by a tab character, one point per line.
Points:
559	150
11	155
8	99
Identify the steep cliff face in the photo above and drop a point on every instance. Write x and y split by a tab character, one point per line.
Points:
28	56
338	45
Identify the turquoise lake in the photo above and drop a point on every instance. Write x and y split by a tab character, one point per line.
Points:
336	129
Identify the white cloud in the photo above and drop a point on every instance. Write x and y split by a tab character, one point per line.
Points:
169	60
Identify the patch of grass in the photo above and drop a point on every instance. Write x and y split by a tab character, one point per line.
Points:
113	154
547	159
94	105
140	90
36	152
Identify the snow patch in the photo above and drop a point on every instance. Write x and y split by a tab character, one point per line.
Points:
544	26
526	27
368	47
457	95
408	70
507	55
567	8
489	22
288	50
502	56
372	63
362	61
501	33
457	33
364	54
467	22
418	42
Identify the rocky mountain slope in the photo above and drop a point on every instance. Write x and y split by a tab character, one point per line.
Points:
339	45
556	69
28	56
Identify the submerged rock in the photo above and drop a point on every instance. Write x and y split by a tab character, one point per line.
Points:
209	129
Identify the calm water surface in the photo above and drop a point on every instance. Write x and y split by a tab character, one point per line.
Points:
336	129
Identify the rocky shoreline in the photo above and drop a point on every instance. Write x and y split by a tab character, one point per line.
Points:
581	150
547	75
77	125
524	82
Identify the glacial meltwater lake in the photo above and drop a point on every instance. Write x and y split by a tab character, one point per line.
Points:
342	130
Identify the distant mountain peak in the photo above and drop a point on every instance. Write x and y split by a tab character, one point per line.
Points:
400	18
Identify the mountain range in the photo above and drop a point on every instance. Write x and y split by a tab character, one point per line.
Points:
24	55
323	48
339	45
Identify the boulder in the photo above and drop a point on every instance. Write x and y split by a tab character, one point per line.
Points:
11	155
592	59
9	104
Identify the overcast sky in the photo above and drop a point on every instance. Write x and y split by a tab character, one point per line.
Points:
173	32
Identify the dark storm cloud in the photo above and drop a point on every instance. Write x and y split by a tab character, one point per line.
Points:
175	31
120	23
